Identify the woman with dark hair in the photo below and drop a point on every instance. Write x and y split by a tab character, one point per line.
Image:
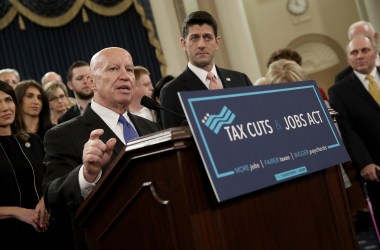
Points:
34	105
23	217
159	85
156	94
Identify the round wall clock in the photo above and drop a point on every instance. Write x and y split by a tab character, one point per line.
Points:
297	7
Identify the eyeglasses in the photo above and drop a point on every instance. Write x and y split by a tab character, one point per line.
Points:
56	98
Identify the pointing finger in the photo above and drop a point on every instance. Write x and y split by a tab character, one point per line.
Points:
95	134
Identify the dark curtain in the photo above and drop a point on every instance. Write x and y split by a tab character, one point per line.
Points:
37	49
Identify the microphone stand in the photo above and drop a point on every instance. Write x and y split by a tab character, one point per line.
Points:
152	104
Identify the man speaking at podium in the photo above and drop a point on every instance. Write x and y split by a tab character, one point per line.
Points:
200	40
78	151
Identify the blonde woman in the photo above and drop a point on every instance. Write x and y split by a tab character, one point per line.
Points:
58	100
284	71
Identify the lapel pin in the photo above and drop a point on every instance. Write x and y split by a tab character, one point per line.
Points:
228	79
27	144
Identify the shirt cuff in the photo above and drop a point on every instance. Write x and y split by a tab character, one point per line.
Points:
86	187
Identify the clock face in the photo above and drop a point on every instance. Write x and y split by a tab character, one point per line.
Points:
297	7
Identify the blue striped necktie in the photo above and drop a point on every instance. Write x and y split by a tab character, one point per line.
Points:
128	130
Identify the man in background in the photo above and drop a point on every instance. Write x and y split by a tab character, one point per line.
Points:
76	82
49	77
356	98
200	40
360	27
143	86
10	76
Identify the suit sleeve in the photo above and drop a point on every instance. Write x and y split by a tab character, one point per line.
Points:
355	146
341	75
169	99
247	80
62	160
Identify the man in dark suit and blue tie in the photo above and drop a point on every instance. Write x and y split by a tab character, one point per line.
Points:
80	150
200	40
357	98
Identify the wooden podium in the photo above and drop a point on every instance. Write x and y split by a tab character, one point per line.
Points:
157	195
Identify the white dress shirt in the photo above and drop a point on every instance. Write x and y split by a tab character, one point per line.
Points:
111	119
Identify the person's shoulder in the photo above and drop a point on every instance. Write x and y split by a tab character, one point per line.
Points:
341	85
33	144
261	81
69	114
174	83
171	83
343	74
143	121
229	71
34	138
68	125
172	87
74	109
337	84
233	75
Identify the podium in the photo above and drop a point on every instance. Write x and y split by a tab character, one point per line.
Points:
156	195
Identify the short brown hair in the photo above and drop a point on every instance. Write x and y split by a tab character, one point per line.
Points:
199	18
285	53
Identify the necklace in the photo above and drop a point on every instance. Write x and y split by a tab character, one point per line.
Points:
14	173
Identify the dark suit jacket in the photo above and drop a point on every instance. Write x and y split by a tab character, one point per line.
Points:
18	184
64	146
188	81
33	151
342	74
70	114
359	120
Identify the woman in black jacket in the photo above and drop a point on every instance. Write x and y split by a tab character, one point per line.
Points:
23	217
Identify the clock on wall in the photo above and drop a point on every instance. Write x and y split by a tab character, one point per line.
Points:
297	7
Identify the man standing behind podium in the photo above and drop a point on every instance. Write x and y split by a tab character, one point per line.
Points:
357	98
200	40
359	27
79	150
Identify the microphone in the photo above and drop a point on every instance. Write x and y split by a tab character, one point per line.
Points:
152	104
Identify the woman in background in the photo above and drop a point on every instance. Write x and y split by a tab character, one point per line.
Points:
58	98
23	217
156	94
159	85
34	104
284	71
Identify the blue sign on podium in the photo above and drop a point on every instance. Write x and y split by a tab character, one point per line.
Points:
254	137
